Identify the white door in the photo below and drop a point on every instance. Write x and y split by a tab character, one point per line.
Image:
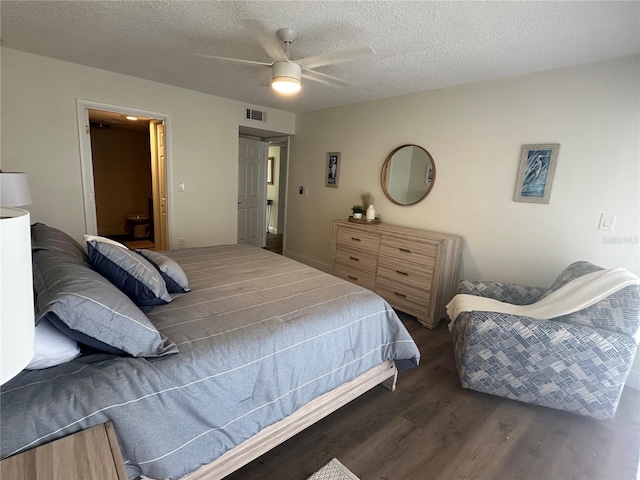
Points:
252	188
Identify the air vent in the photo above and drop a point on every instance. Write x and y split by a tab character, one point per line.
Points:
251	114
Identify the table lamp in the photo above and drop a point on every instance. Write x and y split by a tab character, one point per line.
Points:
17	325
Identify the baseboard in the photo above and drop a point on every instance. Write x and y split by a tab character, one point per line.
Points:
633	380
308	261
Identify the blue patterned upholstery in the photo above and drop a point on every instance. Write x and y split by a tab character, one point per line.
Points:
578	362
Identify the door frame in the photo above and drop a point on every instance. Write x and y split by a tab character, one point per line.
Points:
86	157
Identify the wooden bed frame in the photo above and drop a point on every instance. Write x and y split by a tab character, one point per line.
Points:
273	435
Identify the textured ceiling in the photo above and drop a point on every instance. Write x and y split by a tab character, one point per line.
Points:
418	45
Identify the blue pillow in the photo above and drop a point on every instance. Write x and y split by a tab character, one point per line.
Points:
129	271
88	308
171	272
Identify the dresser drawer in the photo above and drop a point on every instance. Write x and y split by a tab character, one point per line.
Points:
421	253
404	298
368	242
364	279
405	272
364	261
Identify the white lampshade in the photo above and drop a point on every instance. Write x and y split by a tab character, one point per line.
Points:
17	328
14	190
286	77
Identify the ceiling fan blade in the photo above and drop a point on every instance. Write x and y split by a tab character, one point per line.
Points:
266	39
324	78
237	60
335	57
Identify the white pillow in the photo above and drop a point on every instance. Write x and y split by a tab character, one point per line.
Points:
88	238
52	347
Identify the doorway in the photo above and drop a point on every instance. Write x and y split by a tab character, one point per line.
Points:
278	152
124	167
262	211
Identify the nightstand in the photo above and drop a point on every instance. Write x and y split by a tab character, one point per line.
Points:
90	454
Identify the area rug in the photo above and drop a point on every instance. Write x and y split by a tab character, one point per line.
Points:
333	470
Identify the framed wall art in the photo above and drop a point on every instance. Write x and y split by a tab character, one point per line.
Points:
332	176
535	175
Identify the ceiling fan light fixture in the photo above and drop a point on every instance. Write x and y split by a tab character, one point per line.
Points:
286	85
286	77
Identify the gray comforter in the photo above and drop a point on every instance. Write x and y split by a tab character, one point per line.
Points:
259	336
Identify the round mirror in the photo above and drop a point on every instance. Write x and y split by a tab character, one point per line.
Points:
408	174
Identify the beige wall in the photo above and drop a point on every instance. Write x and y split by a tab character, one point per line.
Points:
40	137
122	176
475	133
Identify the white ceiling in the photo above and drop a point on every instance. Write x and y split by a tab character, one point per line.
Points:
419	45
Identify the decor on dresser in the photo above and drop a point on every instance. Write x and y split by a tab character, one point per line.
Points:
357	210
408	174
535	174
332	176
416	271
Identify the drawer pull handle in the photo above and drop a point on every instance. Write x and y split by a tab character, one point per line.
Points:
405	250
355	259
356	239
353	278
400	294
402	273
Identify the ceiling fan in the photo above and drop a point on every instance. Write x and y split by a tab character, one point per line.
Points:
285	72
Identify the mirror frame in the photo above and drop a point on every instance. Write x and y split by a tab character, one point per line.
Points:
384	174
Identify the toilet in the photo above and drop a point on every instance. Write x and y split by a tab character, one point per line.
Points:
137	224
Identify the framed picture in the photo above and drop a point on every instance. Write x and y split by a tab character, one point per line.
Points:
270	161
332	177
535	175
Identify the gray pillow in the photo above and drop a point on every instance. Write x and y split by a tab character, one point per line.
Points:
44	237
171	272
87	307
129	271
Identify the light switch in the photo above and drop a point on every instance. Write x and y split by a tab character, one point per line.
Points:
181	187
607	221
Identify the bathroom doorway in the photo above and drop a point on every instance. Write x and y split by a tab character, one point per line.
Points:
124	172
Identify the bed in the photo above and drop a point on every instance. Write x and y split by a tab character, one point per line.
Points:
257	347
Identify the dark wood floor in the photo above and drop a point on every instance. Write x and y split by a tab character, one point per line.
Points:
431	428
274	243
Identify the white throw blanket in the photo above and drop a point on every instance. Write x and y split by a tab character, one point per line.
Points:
579	293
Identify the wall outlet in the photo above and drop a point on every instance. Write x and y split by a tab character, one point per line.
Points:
328	243
182	242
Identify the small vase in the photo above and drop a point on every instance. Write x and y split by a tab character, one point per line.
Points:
357	215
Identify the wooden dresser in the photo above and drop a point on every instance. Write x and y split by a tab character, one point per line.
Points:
416	271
